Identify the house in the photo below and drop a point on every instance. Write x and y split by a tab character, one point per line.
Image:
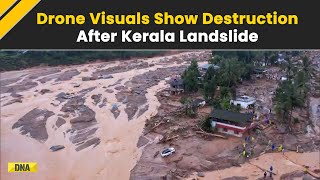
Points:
176	86
244	102
231	123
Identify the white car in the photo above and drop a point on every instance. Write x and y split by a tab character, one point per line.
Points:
168	151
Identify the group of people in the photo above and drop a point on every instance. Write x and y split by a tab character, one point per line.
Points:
265	173
246	153
249	153
280	147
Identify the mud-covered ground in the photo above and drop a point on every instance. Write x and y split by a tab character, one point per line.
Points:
96	111
107	117
196	153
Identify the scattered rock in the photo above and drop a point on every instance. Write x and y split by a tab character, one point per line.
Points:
62	97
143	110
115	111
44	91
95	142
67	75
85	78
17	100
96	98
83	92
15	95
34	123
142	141
83	125
105	76
56	148
93	78
118	88
200	174
20	87
104	103
60	122
110	91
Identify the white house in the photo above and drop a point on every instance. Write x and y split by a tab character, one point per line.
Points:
244	101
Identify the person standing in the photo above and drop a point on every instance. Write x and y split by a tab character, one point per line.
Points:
273	147
265	175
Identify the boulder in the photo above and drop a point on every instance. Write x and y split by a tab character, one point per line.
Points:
85	78
56	148
200	174
44	91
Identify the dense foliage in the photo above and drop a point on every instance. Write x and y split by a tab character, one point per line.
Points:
15	60
218	85
292	93
190	77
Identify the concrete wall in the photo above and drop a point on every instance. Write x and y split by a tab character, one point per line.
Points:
230	132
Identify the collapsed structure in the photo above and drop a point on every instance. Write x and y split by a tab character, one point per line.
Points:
176	86
244	102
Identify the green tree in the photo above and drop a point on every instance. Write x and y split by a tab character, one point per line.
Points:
286	99
194	67
230	72
190	77
209	84
190	81
307	68
189	107
215	59
289	68
301	82
209	89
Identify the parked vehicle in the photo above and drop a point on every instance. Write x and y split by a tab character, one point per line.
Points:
168	151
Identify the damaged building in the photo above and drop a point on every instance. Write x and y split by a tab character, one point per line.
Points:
232	123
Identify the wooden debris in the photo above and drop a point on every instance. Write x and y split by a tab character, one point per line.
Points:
154	127
155	154
187	136
210	134
168	139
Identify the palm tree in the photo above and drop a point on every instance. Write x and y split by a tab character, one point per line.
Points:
307	68
287	99
301	83
210	83
289	68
